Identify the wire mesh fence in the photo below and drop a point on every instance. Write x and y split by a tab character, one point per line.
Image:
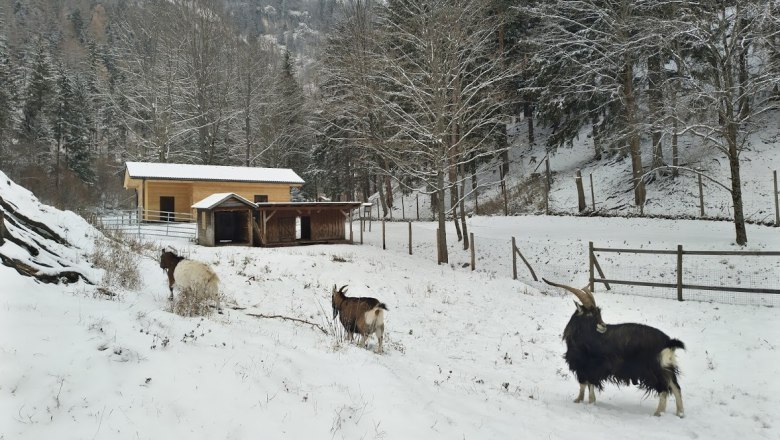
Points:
569	263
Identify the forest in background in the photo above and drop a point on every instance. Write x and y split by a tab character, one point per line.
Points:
361	97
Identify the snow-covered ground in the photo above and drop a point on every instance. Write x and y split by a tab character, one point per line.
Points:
468	354
611	176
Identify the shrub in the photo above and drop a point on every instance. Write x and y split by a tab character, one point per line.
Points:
118	262
194	301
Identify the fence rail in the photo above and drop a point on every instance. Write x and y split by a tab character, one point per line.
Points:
679	285
740	277
146	223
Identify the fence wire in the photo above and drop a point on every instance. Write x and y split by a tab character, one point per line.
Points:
565	262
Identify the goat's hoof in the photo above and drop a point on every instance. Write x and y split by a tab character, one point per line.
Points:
681	415
578	400
657	413
591	400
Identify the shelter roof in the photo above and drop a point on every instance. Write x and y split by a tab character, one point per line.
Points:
216	199
179	171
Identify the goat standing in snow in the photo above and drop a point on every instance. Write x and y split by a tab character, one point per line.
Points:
359	315
190	276
623	354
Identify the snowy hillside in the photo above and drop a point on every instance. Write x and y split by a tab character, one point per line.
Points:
41	240
666	197
467	355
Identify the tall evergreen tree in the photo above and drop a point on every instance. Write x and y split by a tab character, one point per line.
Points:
35	126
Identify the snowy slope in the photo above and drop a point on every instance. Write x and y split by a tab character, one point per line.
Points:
468	355
46	239
612	176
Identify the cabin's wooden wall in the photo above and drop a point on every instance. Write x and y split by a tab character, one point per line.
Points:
276	192
327	225
185	193
281	227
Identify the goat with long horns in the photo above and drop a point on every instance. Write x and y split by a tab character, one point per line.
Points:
623	354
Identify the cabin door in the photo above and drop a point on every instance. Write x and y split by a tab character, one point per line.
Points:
305	228
167	212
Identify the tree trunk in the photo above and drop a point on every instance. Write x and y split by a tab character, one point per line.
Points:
382	201
655	102
463	207
633	135
528	112
675	149
388	194
736	185
442	223
596	140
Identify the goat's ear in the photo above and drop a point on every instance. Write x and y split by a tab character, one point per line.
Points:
579	307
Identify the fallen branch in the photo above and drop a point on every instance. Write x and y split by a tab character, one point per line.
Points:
287	318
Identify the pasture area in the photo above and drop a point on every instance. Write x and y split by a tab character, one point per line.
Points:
472	355
557	249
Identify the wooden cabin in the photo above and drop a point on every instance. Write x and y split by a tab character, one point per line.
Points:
285	224
166	191
225	219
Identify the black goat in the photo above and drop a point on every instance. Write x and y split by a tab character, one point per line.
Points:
623	354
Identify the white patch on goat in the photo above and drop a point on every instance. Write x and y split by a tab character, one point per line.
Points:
196	275
375	323
668	358
373	318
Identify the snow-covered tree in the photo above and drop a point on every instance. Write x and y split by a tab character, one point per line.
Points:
731	77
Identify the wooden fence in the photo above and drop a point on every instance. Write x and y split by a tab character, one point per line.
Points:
680	285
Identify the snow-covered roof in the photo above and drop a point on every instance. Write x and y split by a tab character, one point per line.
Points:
215	199
178	171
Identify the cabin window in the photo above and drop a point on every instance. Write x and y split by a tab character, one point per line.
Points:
261	198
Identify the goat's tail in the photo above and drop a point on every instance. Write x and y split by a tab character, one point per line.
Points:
675	343
381	306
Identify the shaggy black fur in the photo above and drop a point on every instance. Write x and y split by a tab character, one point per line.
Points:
624	354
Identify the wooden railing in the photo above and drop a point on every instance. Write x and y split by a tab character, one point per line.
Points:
680	285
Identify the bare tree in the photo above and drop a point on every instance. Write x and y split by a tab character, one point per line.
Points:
440	78
729	98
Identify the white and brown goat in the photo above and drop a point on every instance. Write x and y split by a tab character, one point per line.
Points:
359	315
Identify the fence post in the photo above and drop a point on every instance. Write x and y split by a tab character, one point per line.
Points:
580	191
590	266
377	209
351	233
679	272
514	259
362	226
418	206
403	208
701	197
383	235
592	194
777	208
471	237
410	238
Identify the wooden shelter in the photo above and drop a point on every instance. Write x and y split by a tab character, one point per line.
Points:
164	190
225	219
284	224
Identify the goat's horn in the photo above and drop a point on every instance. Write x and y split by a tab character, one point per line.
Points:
585	297
343	288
